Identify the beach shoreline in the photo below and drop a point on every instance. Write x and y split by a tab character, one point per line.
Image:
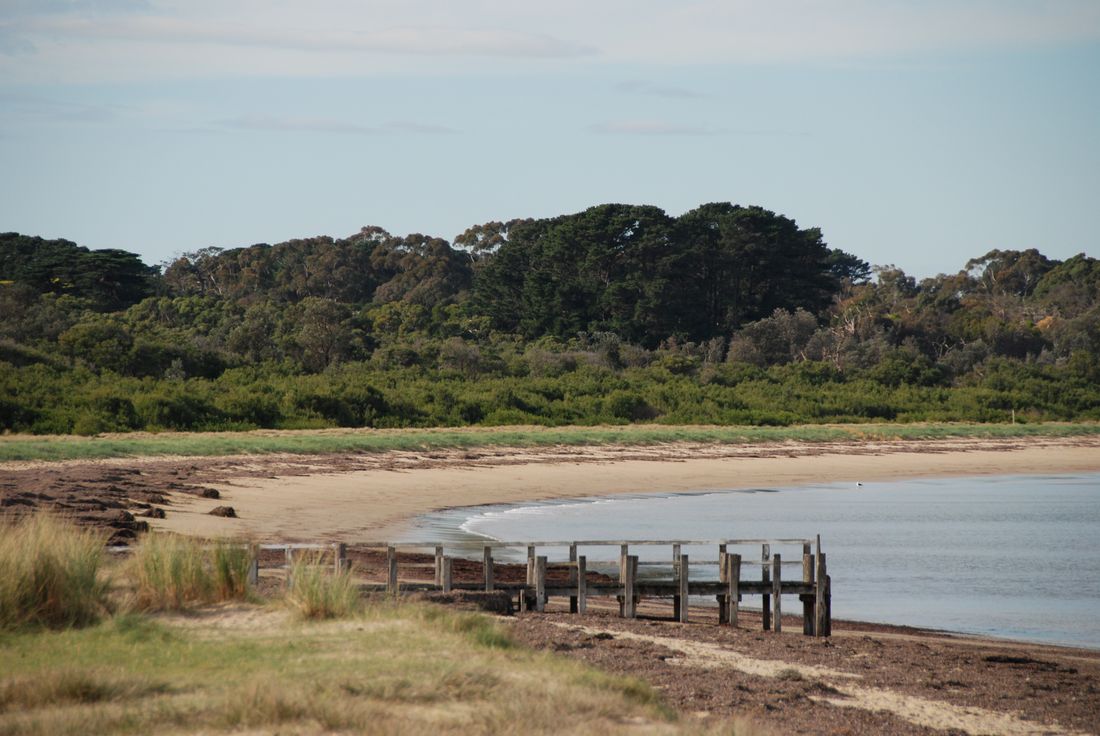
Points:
373	498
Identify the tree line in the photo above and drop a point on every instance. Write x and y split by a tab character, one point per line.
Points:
619	313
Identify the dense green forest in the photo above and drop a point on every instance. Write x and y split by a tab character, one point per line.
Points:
621	313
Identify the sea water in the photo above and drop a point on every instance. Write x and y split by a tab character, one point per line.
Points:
1006	556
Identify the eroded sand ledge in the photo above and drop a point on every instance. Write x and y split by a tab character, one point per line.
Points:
371	497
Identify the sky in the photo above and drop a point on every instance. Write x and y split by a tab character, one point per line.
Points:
914	133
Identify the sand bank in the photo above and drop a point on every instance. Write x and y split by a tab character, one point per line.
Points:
372	498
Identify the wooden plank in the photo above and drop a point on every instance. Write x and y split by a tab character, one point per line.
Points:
540	583
721	563
560	543
439	564
733	565
777	594
676	602
445	575
530	564
765	578
289	553
572	576
391	566
828	605
254	570
582	585
820	616
684	589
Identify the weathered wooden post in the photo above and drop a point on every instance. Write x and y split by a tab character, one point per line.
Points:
723	609
391	567
777	594
582	585
573	576
733	575
339	557
254	566
676	575
530	564
820	615
624	552
630	572
445	579
289	553
540	583
765	577
683	588
439	565
828	605
807	598
487	564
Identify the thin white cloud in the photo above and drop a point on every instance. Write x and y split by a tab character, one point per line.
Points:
427	41
645	87
104	40
277	123
649	127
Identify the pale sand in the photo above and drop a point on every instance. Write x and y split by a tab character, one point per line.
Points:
374	504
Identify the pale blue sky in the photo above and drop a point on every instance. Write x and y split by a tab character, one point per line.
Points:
914	133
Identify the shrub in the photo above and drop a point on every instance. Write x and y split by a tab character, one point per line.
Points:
50	573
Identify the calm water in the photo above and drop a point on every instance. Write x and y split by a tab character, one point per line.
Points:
1010	556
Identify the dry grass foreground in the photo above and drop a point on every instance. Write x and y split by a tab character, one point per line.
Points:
404	669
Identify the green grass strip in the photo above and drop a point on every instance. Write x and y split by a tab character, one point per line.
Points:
24	448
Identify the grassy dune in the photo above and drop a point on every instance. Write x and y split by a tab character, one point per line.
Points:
310	442
394	669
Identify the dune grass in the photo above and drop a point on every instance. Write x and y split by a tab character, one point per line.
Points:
31	448
317	592
171	572
392	669
50	573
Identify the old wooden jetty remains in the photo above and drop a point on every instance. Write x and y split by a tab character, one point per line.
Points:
746	567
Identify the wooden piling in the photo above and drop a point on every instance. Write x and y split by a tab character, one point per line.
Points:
733	575
721	563
777	596
530	564
624	551
684	588
573	576
828	605
445	576
391	566
289	553
487	563
807	600
630	572
765	577
439	565
254	568
820	615
540	583
582	585
339	557
676	603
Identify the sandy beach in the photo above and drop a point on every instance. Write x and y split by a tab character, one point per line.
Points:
371	498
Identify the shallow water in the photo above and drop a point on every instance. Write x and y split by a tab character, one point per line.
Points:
1008	556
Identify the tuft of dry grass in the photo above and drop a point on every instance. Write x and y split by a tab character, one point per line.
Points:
171	572
50	573
318	593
